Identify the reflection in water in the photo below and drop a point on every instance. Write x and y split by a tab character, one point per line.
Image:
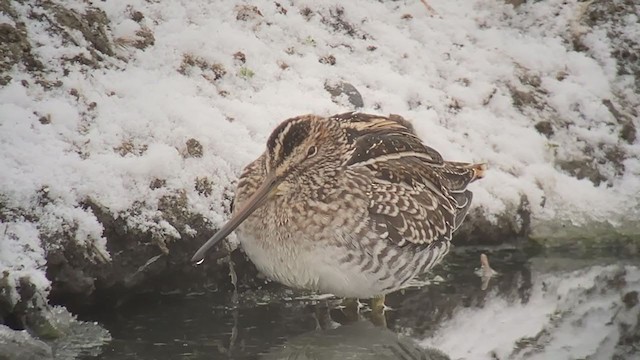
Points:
72	338
588	313
419	312
357	341
532	309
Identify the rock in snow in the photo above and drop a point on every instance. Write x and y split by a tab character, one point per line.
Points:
124	124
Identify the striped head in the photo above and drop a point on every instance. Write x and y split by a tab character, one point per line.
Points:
303	143
299	147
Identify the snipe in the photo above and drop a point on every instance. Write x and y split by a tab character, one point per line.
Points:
354	205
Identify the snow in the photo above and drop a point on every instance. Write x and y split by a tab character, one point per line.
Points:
568	315
21	252
115	129
4	19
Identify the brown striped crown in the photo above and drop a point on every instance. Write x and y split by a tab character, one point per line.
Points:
302	142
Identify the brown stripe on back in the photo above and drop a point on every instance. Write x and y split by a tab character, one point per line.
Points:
377	145
356	125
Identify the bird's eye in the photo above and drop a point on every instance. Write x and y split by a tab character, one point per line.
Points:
312	151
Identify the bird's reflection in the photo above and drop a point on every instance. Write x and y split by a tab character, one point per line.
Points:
359	340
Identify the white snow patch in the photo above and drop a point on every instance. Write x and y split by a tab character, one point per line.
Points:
5	19
21	252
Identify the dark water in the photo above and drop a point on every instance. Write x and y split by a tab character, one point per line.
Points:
260	322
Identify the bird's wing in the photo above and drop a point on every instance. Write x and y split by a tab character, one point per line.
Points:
358	126
411	206
414	196
367	122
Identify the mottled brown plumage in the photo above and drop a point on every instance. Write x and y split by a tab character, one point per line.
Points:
355	204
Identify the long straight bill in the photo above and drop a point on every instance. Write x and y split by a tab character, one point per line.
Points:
247	209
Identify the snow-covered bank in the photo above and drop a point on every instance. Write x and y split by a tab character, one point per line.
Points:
128	122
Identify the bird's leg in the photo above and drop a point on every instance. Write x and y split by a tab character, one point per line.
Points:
234	281
351	309
377	303
377	311
322	316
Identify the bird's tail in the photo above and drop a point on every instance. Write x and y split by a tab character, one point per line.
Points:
478	170
460	174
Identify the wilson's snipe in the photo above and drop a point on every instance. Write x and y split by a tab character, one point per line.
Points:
354	205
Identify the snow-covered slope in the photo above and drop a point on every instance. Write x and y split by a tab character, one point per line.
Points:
117	106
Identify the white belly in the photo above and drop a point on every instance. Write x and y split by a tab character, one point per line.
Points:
315	268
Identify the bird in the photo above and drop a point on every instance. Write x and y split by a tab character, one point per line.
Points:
353	204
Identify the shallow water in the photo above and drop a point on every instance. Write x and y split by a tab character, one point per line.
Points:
531	309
